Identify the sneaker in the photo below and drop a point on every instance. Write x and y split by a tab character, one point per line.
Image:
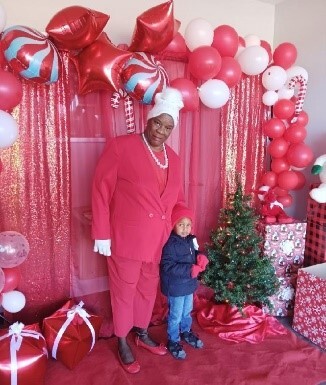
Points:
192	339
175	348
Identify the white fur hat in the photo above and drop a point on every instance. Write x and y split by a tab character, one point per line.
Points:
169	101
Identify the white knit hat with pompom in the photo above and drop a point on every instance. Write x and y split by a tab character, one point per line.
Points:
169	101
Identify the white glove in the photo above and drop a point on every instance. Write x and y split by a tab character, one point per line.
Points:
103	247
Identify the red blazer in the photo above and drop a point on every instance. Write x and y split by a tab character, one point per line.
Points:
126	203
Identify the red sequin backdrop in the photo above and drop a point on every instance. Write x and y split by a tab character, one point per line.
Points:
47	173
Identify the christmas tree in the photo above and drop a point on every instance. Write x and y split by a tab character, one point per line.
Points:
238	272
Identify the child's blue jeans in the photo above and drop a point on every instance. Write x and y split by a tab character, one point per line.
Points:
179	317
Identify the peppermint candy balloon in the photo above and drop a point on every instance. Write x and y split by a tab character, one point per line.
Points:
143	77
30	54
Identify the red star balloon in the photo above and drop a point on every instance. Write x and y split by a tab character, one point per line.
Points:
155	28
99	66
76	27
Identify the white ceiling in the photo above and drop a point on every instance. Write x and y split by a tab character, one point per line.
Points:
273	1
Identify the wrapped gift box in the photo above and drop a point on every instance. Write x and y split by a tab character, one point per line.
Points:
284	244
310	304
23	355
71	333
315	248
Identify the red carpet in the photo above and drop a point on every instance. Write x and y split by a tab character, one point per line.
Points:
278	360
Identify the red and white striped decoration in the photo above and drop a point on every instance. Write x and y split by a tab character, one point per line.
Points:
301	94
128	106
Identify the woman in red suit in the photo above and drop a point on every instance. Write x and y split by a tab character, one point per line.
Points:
136	185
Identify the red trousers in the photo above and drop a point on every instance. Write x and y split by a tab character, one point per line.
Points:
133	287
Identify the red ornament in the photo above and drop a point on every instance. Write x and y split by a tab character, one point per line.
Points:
76	27
99	66
155	28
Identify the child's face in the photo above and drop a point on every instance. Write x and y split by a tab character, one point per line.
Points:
183	227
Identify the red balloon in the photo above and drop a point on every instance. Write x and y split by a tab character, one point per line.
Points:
302	118
242	42
279	164
268	48
99	66
155	28
226	40
230	71
274	128
299	155
177	48
285	55
268	179
12	279
280	192
76	27
143	77
287	180
204	62
190	96
295	133
301	180
283	109
286	200
278	147
11	90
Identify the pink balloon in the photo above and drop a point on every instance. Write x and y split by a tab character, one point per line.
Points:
230	71
204	62
279	164
278	147
268	179
11	90
283	109
295	133
285	55
226	40
274	128
14	249
287	180
299	155
12	279
189	93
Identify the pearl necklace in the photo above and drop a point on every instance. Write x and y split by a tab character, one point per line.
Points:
157	161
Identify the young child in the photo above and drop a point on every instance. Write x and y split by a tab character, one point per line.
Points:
180	265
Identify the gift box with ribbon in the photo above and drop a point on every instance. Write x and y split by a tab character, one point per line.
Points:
23	355
71	333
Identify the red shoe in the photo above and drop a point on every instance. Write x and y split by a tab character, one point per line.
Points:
160	350
132	367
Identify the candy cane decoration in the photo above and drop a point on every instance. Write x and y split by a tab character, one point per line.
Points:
128	106
301	94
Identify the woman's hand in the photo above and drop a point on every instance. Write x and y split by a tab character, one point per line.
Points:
103	246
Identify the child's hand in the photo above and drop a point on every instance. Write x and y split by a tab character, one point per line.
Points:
202	261
195	270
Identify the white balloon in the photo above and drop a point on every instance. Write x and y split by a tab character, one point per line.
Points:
285	93
214	93
198	32
274	78
13	301
253	60
296	71
270	98
8	129
251	40
3	18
